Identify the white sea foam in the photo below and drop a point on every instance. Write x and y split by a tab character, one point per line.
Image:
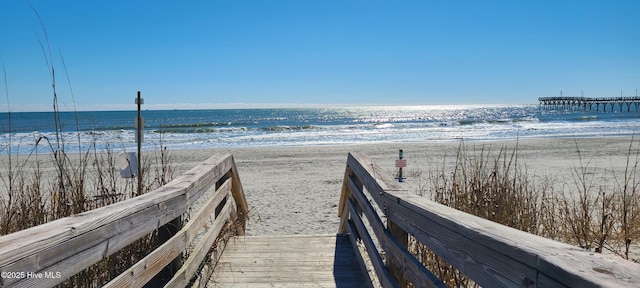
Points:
275	127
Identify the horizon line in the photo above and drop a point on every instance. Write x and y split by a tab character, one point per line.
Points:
223	106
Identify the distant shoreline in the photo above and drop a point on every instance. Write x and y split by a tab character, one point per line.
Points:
231	106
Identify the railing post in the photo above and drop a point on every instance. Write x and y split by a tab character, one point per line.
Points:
342	205
403	239
242	209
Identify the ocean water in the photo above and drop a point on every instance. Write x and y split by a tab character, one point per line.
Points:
31	132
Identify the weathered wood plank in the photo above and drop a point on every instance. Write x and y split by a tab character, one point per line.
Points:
405	263
66	258
204	277
207	181
372	177
237	191
184	274
88	237
31	241
344	194
270	270
328	261
544	281
383	274
228	276
80	260
466	254
143	271
271	259
207	211
399	268
368	275
313	246
514	257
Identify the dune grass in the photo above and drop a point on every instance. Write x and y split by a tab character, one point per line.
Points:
39	188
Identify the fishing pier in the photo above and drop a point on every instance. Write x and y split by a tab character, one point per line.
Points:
379	224
588	104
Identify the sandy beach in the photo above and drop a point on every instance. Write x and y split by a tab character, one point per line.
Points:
295	190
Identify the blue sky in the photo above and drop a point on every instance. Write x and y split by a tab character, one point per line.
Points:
218	54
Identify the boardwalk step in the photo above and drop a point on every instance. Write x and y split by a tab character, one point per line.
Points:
289	261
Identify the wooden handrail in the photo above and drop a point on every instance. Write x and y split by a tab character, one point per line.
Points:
491	254
69	245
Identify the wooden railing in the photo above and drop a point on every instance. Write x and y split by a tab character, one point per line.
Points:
490	254
48	254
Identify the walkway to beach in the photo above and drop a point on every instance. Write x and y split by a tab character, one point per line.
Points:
291	246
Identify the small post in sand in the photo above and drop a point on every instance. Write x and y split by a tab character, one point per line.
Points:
400	163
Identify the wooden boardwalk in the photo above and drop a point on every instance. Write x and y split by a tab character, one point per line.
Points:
289	261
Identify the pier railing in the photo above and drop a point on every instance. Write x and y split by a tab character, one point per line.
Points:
46	255
491	254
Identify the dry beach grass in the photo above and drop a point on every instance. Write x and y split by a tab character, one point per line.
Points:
41	188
